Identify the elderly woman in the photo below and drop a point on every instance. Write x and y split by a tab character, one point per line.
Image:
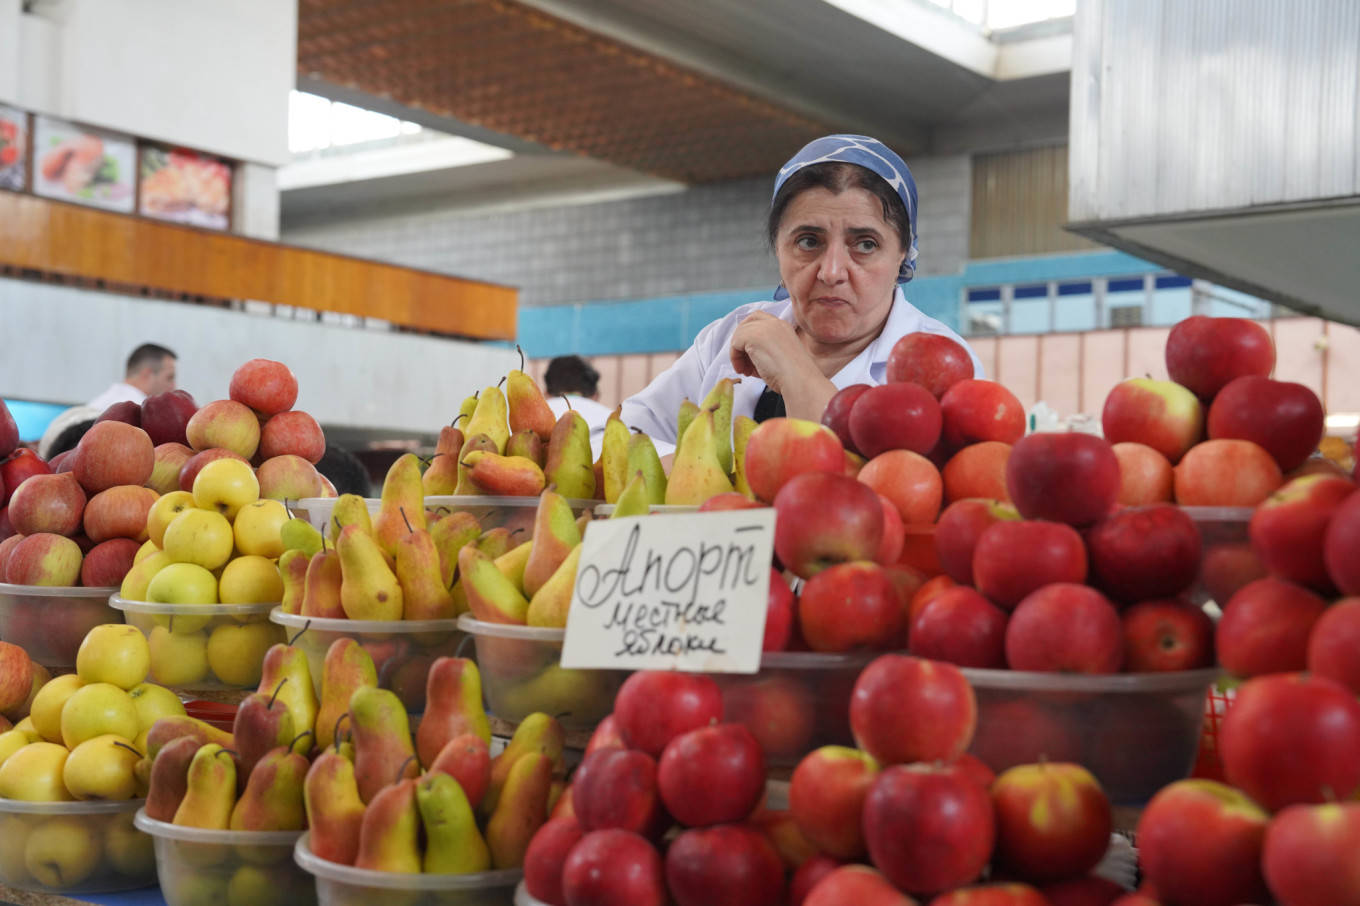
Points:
843	228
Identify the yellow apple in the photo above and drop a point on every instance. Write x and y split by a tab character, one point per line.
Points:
178	658
130	852
95	710
202	537
62	852
139	577
11	741
146	550
30	732
250	579
113	653
183	583
102	768
163	512
48	705
34	774
14	831
259	527
226	485
236	652
154	702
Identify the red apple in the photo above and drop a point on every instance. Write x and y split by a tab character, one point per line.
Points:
972	769
1204	354
978	470
1070	477
779	608
1292	738
781	448
1200	842
1309	857
1161	414
732	500
1339	545
1065	628
728	865
909	480
1283	417
1139	553
606	734
895	417
925	593
826	796
1088	891
1014	731
906	709
778	709
16	468
61	463
194	464
655	706
1011	560
1226	473
1333	644
808	874
894	534
108	562
9	431
1228	567
266	386
47	503
782	831
973	411
1167	635
1265	628
960	627
125	411
1288	528
165	416
292	433
1003	894
957	533
836	415
1145	476
857	884
6	546
44	559
927	829
170	459
119	512
1137	898
712	775
850	606
932	360
617	788
225	424
1053	821
613	868
822	519
543	860
112	453
288	477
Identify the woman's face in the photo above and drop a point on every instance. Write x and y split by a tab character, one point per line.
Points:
839	261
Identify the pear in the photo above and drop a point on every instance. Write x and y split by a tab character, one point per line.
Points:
476	443
350	509
449	533
403	504
490	418
272	800
584	694
293	571
683	417
383	751
453	706
491	596
521	810
614	457
555	535
467	759
742	427
569	466
450	440
424	594
633	501
719	400
529	411
441	477
369	590
346	667
321	587
642	457
528	445
334	809
504	476
696	474
300	535
167	729
550	603
453	845
465	411
512	563
287	675
210	790
537	734
389	836
262	724
497	541
170	777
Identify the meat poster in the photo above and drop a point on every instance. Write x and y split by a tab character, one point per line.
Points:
13	148
185	186
84	165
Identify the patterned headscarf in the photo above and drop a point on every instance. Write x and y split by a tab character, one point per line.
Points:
873	155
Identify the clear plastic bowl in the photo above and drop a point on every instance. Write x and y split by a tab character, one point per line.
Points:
491	512
190	643
345	885
49	622
605	510
97	849
1221	529
402	650
198	866
522	673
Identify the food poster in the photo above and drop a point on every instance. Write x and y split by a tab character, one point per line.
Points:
89	166
13	149
185	186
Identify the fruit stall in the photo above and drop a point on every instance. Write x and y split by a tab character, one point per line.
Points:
912	654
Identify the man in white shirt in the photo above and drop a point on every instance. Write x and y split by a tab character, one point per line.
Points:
150	370
572	380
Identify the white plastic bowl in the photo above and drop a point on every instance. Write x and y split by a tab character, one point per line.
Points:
101	851
491	512
50	622
178	632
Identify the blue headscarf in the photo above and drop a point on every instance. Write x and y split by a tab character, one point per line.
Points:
871	154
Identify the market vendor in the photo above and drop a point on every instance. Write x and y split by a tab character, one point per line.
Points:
843	227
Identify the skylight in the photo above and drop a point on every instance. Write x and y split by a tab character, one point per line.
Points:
995	15
316	123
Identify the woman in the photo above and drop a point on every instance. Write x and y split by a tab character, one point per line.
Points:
843	227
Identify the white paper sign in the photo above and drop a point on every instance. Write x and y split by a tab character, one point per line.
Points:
672	592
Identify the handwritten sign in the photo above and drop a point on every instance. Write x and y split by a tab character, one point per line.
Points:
672	592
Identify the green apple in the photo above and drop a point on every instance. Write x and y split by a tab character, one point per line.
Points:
236	652
102	768
11	741
14	831
226	485
178	658
130	852
95	710
138	578
200	536
250	579
163	512
258	527
113	653
48	704
146	550
154	702
34	774
62	852
183	583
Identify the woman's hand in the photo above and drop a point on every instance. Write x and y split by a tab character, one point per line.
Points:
763	346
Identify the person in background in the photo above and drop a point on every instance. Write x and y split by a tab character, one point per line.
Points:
150	370
345	471
842	224
572	382
66	430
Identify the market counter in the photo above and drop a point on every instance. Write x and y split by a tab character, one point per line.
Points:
146	896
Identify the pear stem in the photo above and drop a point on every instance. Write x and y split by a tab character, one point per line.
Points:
501	381
568	402
299	736
306	626
401	771
335	733
521	356
402	510
277	689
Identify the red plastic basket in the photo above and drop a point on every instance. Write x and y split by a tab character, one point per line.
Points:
1208	765
219	714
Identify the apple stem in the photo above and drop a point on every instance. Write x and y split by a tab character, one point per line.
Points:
401	771
402	510
299	736
277	689
122	745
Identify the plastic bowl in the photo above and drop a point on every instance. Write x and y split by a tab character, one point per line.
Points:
203	646
96	847
521	674
345	885
605	510
1223	536
402	650
1136	732
491	512
50	622
199	866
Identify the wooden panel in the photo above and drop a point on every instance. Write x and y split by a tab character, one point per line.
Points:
659	362
608	366
633	375
1298	356
1060	372
1102	366
1020	204
1017	367
1147	353
985	347
1343	369
74	241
